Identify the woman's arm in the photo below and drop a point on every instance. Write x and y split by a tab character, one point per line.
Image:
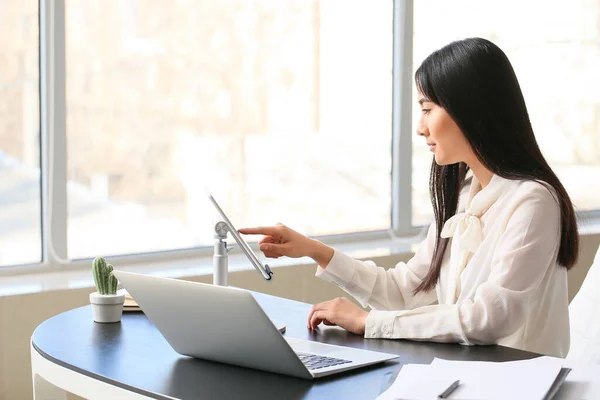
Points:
390	289
369	284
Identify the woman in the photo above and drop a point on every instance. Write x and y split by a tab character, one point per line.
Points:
493	268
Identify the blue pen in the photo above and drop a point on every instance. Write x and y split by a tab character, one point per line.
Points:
449	391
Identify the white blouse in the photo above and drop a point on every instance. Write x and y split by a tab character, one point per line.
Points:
499	281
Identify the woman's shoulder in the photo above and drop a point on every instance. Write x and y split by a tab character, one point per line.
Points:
534	188
531	208
534	192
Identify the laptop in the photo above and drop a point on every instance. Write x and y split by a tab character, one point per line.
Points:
227	325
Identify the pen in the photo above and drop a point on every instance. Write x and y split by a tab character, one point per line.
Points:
449	391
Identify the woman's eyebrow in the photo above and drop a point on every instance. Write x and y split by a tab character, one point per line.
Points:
423	100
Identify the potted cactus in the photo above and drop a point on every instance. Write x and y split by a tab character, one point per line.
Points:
107	304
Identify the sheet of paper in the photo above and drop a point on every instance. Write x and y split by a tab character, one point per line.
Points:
527	380
583	382
410	384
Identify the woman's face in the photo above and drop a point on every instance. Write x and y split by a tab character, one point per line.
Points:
444	137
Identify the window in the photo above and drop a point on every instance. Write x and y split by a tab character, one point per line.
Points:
20	208
283	109
555	54
286	111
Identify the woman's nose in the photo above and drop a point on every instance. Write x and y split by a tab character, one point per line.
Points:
421	128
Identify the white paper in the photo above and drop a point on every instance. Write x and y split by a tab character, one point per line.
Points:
408	375
527	380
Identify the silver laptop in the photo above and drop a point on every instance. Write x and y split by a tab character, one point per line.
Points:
227	325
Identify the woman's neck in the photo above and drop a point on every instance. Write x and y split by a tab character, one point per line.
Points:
483	175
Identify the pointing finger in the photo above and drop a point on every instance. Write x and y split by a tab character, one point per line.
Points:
261	230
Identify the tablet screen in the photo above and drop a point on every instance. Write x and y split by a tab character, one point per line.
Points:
263	269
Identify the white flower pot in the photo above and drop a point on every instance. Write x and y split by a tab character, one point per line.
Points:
107	307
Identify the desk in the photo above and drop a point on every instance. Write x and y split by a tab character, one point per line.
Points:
132	360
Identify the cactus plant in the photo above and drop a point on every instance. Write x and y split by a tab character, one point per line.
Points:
106	282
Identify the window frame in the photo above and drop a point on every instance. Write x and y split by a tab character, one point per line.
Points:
53	149
53	131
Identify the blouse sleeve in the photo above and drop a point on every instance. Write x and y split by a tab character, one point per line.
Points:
390	289
524	253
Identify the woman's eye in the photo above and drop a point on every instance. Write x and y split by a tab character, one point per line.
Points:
425	110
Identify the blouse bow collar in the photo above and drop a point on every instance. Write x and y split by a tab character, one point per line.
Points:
466	229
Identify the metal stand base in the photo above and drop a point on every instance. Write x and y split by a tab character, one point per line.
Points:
220	256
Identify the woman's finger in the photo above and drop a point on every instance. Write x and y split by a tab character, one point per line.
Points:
260	230
310	314
316	308
316	318
271	255
267	239
313	310
320	316
272	248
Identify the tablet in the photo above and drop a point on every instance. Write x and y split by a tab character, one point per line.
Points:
263	269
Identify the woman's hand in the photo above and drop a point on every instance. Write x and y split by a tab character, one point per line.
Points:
280	241
341	312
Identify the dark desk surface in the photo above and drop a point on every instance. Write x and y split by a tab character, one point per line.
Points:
133	355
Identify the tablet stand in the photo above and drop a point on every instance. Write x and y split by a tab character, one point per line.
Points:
220	261
220	257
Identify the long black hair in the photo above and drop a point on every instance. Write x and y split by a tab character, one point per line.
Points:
474	82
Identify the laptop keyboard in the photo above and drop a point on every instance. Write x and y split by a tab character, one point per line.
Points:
313	361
